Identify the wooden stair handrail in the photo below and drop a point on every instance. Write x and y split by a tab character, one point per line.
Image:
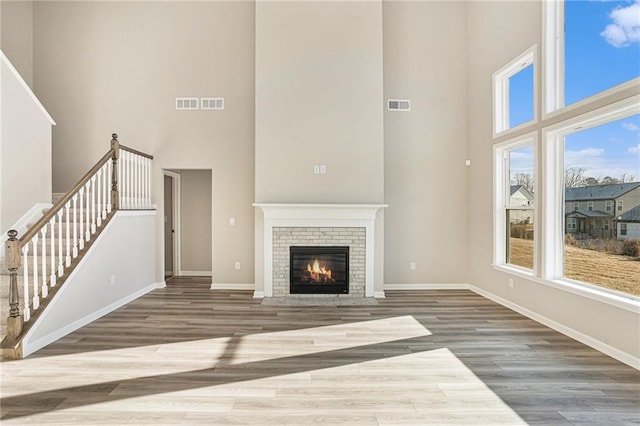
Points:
33	230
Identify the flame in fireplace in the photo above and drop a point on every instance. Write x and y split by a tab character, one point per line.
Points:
317	272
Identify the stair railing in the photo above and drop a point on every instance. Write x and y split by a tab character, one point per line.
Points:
120	180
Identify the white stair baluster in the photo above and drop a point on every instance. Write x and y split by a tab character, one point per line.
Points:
43	234
36	299
81	221
109	175
60	252
87	212
130	179
93	204
99	198
139	179
52	227
148	183
25	270
67	221
75	226
105	188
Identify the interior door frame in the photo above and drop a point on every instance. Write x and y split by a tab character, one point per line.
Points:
175	210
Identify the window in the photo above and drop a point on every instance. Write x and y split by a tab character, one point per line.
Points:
586	140
620	205
514	92
515	193
590	47
590	146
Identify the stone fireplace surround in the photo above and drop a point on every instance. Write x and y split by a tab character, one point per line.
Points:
318	224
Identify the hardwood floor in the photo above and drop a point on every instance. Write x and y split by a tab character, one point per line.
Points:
189	355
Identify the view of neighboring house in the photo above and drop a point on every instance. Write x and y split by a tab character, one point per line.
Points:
520	196
629	224
600	211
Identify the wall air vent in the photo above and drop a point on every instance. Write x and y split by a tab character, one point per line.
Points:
186	103
212	103
398	105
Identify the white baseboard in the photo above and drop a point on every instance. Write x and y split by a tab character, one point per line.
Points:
429	286
30	347
161	284
567	331
194	273
232	286
258	294
31	216
378	294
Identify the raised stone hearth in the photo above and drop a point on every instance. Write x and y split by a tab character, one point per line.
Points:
346	225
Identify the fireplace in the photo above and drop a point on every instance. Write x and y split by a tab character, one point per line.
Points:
319	270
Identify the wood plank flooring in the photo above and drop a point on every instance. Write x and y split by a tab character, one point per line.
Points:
189	355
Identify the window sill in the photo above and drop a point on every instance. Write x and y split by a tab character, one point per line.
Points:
626	302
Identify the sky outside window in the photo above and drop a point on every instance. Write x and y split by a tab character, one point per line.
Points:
602	46
611	150
521	97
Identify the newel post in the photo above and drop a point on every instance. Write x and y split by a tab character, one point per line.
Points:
115	145
12	256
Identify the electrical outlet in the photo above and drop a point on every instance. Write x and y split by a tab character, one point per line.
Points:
510	282
316	169
412	266
237	265
323	169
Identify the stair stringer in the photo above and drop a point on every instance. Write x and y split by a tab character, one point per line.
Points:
125	250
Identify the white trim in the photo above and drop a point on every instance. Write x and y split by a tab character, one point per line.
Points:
233	286
195	273
31	347
161	284
258	294
21	225
553	56
26	87
137	212
501	91
596	344
175	215
319	215
378	294
427	286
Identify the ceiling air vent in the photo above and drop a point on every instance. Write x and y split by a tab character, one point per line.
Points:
186	103
398	104
212	103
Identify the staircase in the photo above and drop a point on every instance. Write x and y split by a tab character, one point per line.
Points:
38	263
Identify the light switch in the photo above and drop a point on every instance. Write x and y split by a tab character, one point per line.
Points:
232	221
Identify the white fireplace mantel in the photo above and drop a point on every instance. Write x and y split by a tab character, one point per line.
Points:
319	215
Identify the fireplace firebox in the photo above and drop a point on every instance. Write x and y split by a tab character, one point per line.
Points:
319	270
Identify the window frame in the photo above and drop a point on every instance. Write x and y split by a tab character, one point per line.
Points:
501	91
501	197
608	205
619	206
553	158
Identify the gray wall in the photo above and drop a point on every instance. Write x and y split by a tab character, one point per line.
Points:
118	66
425	149
195	221
16	35
319	101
